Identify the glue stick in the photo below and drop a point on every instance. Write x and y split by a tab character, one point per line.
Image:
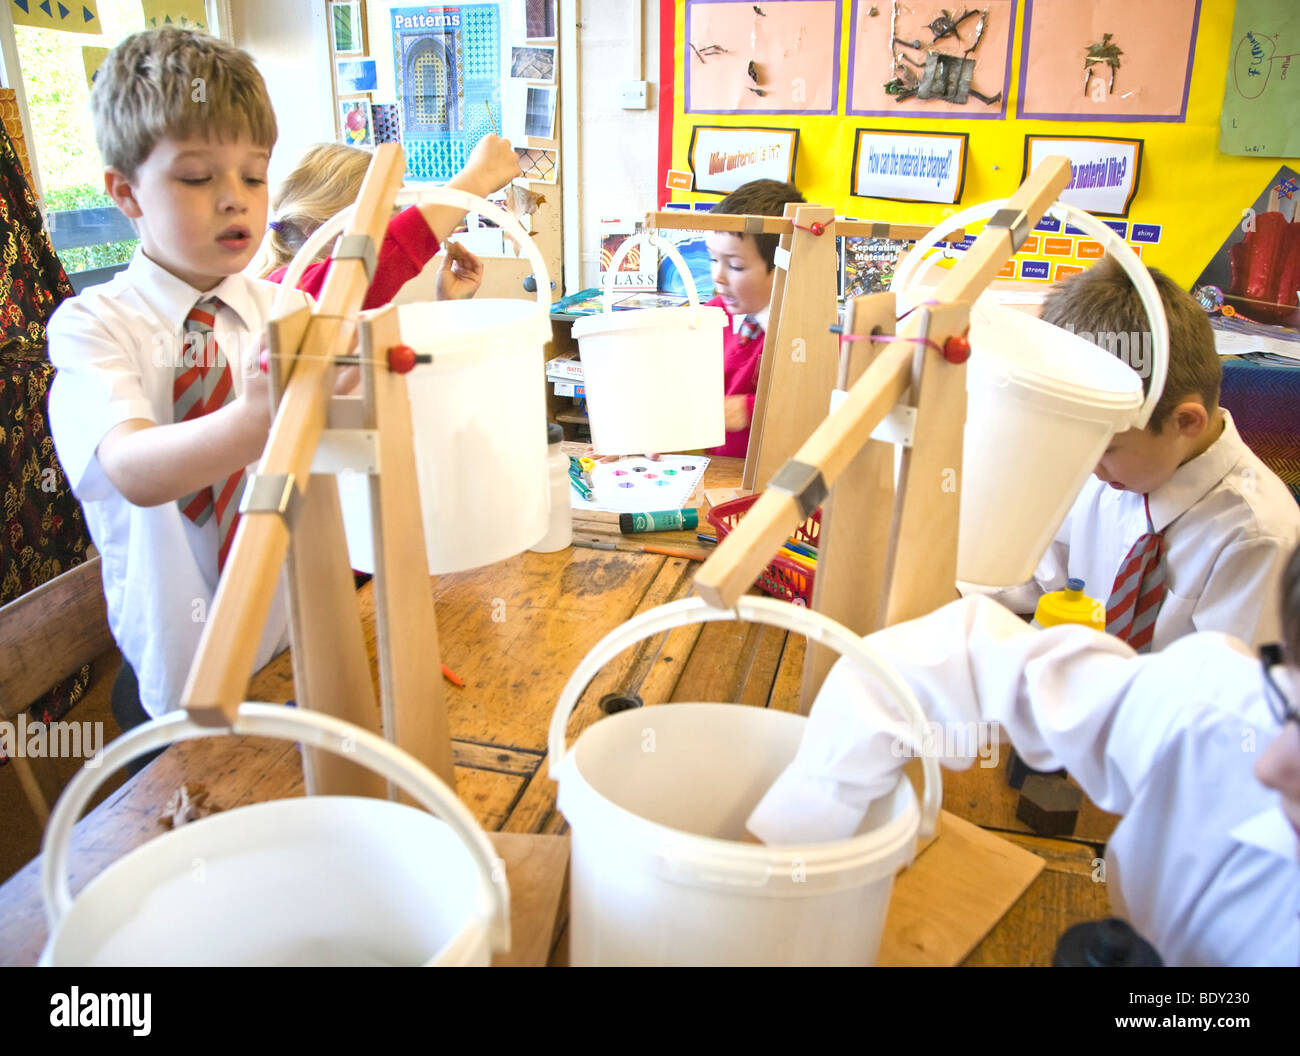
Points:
663	521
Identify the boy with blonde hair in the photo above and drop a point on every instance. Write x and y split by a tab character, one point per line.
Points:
154	416
1181	528
157	407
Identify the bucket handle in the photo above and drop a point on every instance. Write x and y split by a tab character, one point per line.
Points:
813	625
286	724
648	238
440	196
1113	244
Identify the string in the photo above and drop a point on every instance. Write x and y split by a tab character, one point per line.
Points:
889	338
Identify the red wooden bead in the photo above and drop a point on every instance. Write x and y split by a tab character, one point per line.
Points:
817	228
264	361
401	359
957	349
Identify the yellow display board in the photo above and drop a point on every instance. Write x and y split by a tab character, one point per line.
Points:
1191	191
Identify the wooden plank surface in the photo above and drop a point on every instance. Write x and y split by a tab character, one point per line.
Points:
537	870
1065	893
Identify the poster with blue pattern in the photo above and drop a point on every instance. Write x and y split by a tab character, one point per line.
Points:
447	63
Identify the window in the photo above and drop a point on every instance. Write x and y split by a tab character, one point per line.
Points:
88	232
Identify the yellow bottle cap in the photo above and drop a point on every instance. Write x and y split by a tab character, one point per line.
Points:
1070	605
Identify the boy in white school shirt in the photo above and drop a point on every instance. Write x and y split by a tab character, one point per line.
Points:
1196	746
1182	528
153	424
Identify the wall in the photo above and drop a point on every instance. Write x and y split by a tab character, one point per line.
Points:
618	147
287	39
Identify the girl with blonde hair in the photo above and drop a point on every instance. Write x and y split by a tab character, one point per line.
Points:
328	180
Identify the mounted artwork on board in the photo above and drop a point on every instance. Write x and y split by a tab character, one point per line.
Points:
725	158
924	60
447	66
780	57
1107	60
1259	98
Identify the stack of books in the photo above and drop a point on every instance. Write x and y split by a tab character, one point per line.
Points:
566	375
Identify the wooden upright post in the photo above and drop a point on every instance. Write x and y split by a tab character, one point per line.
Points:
800	354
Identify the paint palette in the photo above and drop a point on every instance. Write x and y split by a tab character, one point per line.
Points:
638	485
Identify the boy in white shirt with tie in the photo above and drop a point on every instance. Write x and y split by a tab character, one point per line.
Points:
158	407
1181	528
1197	746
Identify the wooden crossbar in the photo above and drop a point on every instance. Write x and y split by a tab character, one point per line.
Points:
835	443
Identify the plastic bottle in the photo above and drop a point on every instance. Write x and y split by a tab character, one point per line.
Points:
560	533
1070	605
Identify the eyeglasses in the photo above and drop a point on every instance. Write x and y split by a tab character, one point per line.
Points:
1270	656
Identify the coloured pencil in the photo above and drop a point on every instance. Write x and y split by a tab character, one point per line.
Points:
451	676
685	555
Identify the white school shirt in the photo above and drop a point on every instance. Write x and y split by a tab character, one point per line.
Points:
761	318
114	347
1203	862
1230	525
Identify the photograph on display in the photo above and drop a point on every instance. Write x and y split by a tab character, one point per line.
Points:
538	163
356	75
780	57
345	27
1107	60
533	63
928	60
356	123
539	113
539	19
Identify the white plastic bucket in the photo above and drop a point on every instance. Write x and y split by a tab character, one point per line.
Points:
657	800
478	414
321	880
1042	405
653	376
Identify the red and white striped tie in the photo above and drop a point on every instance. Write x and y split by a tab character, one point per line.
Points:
1139	590
204	383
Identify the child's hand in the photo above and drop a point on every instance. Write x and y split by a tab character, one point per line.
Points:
492	164
735	413
591	453
255	396
461	274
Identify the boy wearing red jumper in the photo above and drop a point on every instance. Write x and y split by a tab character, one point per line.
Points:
743	273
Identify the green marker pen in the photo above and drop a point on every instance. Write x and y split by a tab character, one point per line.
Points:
663	521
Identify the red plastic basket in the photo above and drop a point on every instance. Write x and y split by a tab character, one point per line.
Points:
783	578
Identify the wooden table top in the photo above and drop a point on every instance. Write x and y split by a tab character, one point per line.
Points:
514	632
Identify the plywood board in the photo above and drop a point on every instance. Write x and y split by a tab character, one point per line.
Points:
958	888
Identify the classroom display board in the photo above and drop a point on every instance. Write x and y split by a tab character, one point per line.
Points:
909	112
